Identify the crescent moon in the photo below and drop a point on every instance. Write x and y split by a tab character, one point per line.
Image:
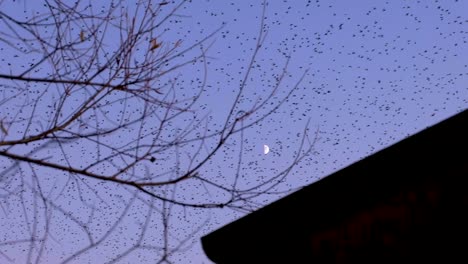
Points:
266	149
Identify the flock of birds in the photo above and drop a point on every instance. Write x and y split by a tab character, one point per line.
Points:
377	72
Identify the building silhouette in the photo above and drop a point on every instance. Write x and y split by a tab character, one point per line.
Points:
407	203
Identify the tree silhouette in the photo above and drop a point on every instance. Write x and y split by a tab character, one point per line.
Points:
104	142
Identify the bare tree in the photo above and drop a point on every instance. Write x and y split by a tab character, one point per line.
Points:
104	143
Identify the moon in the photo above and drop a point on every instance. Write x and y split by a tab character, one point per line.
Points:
266	149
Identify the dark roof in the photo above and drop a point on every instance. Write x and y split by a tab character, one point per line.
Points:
280	229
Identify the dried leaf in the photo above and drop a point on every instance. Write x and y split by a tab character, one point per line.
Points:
2	127
82	36
155	44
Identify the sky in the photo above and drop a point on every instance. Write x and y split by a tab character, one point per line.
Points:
375	73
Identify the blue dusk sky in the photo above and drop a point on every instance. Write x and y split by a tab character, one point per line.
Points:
356	77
